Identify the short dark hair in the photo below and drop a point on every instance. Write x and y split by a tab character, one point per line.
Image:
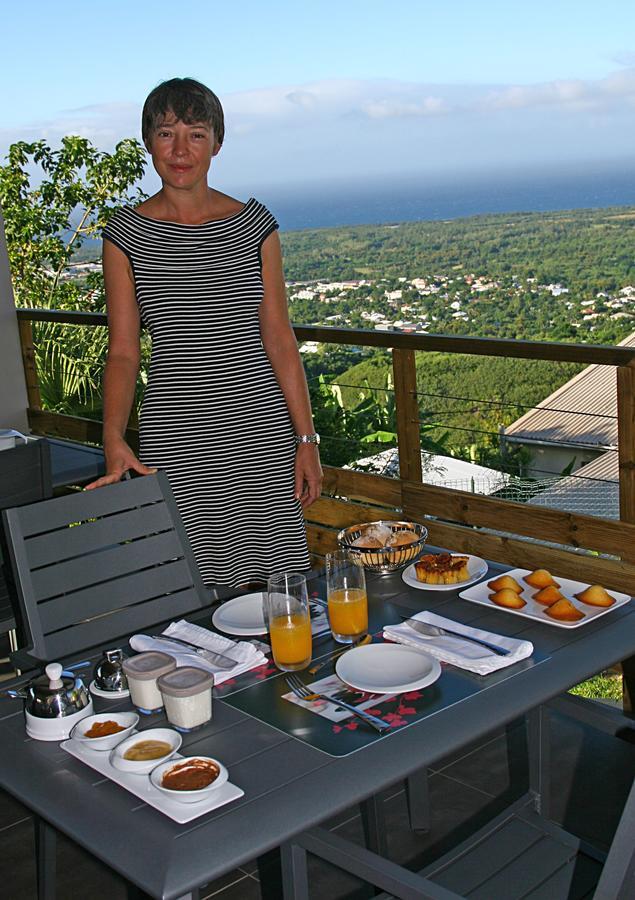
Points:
189	100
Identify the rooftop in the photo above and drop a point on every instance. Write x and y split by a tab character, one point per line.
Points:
583	412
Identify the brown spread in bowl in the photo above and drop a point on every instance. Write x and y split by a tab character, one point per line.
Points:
191	775
103	729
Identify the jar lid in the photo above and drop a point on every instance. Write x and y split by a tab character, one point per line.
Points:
185	682
149	665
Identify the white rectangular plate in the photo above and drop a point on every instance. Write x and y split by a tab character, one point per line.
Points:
141	786
480	593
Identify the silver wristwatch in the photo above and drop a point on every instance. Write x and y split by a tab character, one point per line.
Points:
307	438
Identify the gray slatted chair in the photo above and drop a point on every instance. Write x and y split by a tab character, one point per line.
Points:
519	855
95	566
25	477
92	568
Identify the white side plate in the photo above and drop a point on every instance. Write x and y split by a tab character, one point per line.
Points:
143	788
387	668
481	593
107	695
476	568
242	616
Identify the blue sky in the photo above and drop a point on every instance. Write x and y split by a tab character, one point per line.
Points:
333	91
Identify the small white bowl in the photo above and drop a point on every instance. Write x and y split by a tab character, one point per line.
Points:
127	719
157	774
143	767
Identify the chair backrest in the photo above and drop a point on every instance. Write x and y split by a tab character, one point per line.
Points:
96	566
25	474
25	477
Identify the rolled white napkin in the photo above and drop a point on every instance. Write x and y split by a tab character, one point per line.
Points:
246	656
464	654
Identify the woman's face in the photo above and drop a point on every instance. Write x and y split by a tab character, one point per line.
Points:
181	153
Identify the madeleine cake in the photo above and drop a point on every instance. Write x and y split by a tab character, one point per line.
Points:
595	595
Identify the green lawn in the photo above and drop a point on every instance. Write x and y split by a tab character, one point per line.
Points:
605	686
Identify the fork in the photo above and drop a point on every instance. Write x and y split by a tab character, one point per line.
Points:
304	693
212	656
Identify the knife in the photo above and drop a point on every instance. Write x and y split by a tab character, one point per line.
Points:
429	630
213	656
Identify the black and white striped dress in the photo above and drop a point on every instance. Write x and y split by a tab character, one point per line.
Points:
213	416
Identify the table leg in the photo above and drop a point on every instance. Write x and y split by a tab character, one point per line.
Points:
374	824
418	800
135	893
628	685
295	878
45	858
539	747
270	875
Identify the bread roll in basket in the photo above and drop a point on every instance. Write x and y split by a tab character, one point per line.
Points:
384	546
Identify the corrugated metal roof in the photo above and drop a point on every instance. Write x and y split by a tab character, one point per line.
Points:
581	412
444	471
593	490
606	467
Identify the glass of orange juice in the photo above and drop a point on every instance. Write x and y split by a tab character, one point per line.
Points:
289	621
347	599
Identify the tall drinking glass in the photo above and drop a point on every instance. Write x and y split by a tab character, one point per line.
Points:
347	599
289	621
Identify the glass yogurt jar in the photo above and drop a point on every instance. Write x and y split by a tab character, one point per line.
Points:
187	696
142	672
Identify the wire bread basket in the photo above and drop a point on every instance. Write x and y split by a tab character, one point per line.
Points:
384	560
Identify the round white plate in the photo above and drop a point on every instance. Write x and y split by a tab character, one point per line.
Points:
387	668
476	567
242	615
107	695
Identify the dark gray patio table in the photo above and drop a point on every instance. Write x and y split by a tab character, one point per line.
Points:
289	785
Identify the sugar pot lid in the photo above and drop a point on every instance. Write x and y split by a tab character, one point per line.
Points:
55	694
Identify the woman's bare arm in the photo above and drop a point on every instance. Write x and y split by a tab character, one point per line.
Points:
122	365
282	349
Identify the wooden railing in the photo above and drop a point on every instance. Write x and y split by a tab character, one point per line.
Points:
506	531
463	520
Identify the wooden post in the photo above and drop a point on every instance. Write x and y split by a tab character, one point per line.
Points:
30	365
626	442
407	406
626	451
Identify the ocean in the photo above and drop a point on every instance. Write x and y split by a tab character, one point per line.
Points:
415	199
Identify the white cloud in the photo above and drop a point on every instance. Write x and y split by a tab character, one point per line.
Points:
305	99
570	95
394	108
343	127
333	101
624	58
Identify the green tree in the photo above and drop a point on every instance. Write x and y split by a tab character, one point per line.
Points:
52	201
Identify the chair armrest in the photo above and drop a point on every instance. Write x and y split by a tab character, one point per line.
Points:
24	662
601	716
396	880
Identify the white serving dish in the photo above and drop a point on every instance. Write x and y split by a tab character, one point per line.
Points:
476	567
480	594
188	796
144	767
387	668
242	616
129	721
146	791
57	729
107	695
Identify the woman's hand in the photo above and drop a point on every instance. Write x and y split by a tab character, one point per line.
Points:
308	474
119	460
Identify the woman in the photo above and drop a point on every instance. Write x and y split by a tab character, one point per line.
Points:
226	412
